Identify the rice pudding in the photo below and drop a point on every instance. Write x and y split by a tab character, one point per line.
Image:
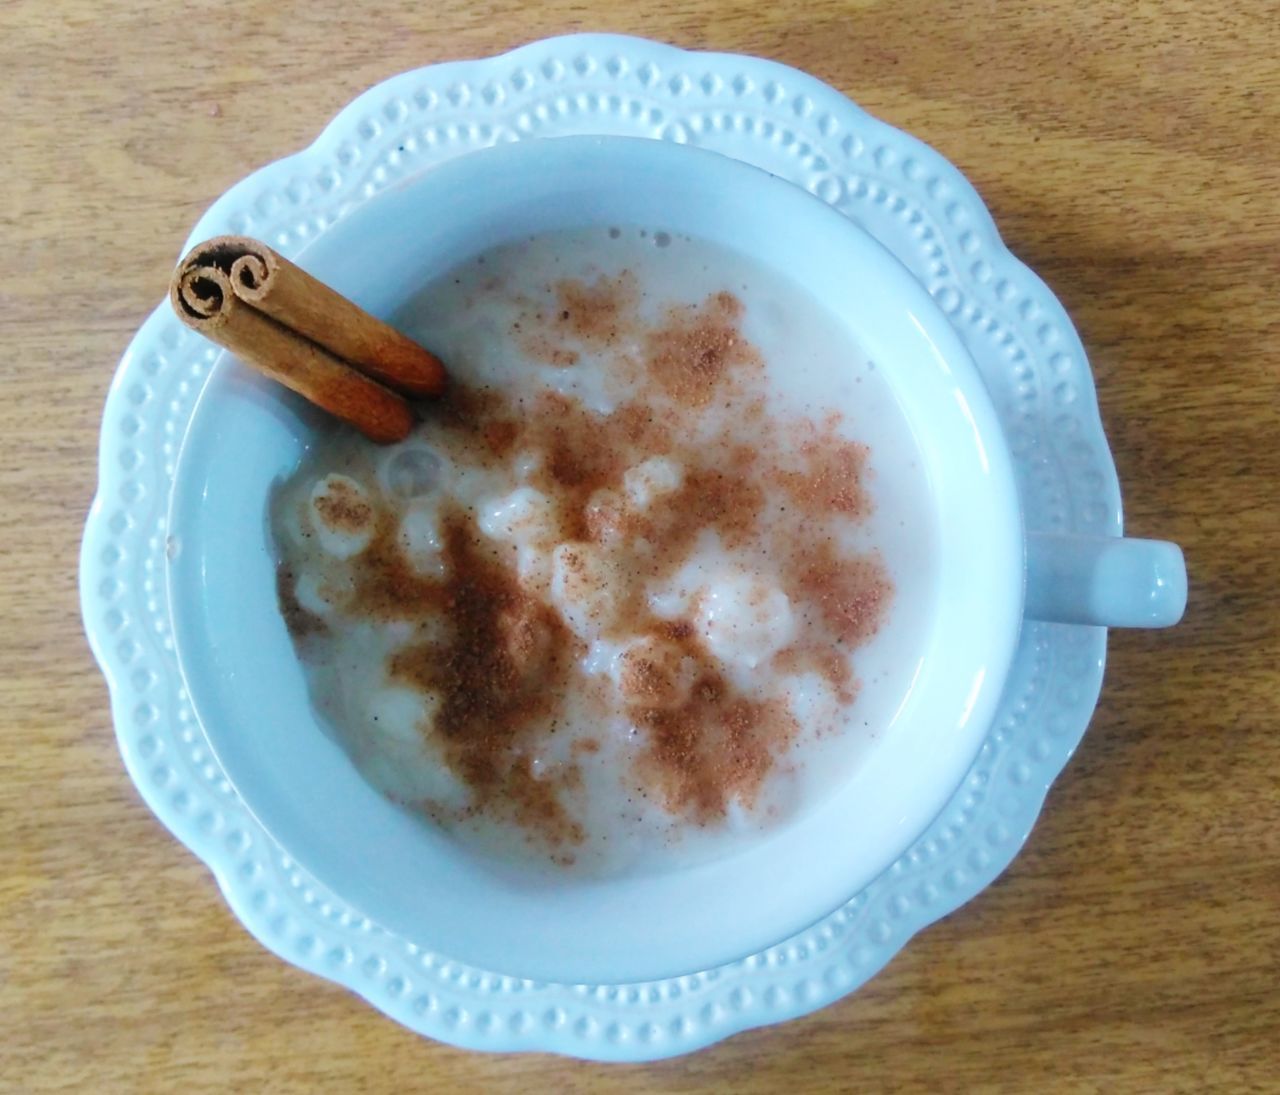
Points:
647	581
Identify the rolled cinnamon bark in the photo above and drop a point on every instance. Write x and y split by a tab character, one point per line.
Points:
289	295
278	318
202	296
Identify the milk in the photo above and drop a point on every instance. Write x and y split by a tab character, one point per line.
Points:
637	600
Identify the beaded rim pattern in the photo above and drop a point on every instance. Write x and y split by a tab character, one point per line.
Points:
902	192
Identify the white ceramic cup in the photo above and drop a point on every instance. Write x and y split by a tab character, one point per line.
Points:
250	693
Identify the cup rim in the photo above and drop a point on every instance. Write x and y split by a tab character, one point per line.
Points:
1005	536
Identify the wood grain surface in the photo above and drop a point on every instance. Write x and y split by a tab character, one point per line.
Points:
1129	153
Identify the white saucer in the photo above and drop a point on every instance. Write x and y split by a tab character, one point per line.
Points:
902	192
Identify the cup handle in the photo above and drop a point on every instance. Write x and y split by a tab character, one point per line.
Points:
1106	581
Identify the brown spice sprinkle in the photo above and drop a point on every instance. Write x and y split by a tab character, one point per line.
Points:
699	350
850	592
599	312
498	677
714	748
342	507
580	317
705	744
387	586
507	660
831	474
656	673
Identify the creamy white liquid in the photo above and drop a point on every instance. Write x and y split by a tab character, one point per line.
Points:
734	597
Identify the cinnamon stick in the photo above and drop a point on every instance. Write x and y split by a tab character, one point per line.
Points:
278	318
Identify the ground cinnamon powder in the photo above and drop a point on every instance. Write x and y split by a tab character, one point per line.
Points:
498	676
698	349
343	507
507	660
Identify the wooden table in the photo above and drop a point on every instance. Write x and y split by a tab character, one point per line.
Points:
1129	153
